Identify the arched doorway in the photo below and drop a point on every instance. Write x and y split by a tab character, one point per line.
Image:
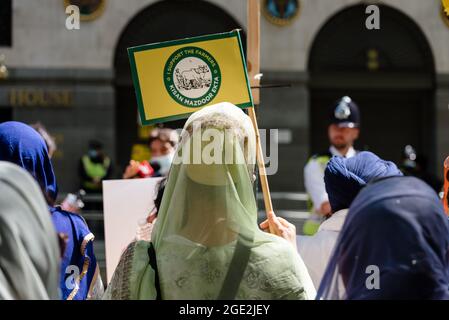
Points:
161	21
389	72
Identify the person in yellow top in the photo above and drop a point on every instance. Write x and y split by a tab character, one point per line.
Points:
343	131
95	166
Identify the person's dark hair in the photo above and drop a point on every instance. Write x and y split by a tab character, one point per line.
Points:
164	135
160	194
95	144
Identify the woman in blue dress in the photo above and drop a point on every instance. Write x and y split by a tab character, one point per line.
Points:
80	278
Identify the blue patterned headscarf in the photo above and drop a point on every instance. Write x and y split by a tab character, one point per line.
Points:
22	145
345	177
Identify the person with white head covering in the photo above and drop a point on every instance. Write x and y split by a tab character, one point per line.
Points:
206	241
29	252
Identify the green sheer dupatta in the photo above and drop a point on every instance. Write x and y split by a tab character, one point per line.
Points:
134	278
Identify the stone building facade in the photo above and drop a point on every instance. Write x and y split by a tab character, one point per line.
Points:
77	82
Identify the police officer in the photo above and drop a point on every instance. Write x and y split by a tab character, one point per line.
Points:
343	130
414	164
94	167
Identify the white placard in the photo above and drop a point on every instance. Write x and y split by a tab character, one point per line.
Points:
125	203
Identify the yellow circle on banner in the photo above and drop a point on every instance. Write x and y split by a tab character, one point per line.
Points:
281	12
89	9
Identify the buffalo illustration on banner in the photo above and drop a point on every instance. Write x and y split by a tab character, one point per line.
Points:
176	78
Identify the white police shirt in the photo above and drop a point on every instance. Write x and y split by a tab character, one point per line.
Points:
314	178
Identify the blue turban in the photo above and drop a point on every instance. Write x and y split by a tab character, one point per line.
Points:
22	145
345	177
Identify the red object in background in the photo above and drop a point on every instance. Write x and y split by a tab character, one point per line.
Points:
145	170
446	186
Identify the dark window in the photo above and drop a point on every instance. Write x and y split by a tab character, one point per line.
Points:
6	23
390	73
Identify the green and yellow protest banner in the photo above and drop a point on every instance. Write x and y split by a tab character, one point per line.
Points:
176	78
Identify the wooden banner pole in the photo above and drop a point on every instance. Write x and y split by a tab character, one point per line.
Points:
253	58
